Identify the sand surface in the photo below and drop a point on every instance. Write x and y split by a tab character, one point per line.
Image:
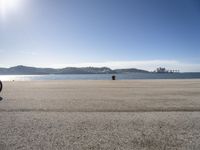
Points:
135	114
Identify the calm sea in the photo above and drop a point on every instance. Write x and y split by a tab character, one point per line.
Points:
100	76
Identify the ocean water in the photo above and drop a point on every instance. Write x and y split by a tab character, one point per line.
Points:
101	76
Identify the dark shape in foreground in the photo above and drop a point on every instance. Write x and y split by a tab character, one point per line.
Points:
1	86
24	70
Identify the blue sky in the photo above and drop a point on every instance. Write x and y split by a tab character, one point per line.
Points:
117	33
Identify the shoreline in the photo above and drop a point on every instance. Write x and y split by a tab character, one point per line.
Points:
96	80
134	76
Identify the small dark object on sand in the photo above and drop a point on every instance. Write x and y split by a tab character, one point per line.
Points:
1	86
113	77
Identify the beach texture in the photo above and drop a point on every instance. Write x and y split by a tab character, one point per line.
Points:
132	114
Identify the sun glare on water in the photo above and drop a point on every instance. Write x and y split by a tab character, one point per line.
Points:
9	6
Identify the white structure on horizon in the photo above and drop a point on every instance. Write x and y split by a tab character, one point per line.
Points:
164	70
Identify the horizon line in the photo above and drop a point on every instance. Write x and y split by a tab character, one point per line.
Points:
148	65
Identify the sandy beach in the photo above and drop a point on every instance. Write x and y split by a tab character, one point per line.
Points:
126	114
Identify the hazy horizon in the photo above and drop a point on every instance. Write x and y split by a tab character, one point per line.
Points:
144	65
139	34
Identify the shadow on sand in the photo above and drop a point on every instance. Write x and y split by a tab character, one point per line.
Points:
1	98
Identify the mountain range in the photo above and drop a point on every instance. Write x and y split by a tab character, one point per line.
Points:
25	70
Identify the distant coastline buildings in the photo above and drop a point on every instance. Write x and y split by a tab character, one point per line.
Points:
164	70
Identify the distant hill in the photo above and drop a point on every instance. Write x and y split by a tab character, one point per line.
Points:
131	70
24	70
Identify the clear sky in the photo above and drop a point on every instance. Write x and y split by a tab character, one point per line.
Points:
116	33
